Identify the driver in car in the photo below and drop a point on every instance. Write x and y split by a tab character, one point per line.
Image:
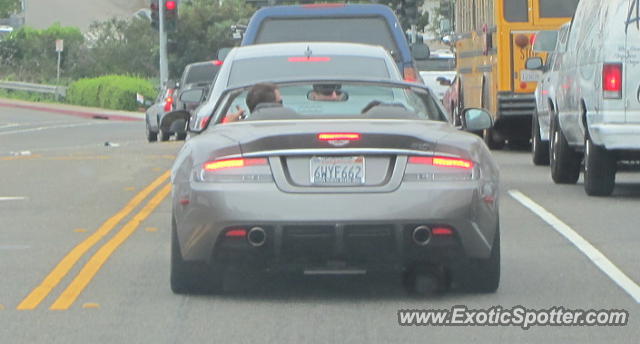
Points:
263	93
327	92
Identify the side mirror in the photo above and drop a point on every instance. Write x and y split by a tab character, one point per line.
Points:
448	40
192	96
476	119
420	51
534	63
443	81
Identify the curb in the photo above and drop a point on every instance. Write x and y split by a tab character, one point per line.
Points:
97	114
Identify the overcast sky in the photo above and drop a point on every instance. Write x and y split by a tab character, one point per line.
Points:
80	13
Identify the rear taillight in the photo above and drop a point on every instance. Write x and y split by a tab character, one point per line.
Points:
339	136
217	62
442	231
410	74
204	122
612	80
236	233
440	161
168	104
218	165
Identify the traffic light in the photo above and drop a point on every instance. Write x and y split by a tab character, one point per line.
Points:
411	10
155	14
170	15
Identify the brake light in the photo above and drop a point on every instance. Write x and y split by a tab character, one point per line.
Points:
410	74
204	122
322	5
170	5
442	231
236	233
612	80
309	59
233	163
339	136
442	162
168	104
217	62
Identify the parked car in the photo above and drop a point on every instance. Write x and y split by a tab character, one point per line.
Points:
162	105
438	71
598	109
546	91
283	190
269	62
357	23
196	81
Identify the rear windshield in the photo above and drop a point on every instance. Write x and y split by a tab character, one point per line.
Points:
254	70
202	73
369	30
558	8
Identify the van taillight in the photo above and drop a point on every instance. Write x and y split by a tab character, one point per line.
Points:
168	104
612	80
410	74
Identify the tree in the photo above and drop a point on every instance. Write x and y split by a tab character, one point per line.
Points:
9	7
204	27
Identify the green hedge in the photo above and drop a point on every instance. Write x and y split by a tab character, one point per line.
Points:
116	92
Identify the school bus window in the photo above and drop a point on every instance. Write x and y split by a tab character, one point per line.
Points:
557	8
516	10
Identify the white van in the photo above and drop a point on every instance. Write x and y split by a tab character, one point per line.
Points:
598	95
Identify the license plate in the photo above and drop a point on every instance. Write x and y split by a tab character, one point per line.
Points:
337	170
530	75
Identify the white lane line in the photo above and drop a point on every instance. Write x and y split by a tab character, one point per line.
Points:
21	131
599	259
12	198
10	125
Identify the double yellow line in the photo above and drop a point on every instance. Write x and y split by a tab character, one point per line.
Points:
91	268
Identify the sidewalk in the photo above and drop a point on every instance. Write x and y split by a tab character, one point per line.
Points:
73	110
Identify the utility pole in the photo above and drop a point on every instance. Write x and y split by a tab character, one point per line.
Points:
164	63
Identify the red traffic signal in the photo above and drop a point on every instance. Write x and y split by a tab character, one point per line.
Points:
171	5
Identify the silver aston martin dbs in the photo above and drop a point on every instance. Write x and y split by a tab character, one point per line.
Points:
375	179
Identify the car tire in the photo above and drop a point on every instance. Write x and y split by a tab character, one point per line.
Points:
564	160
152	136
483	275
181	136
186	277
164	135
539	148
599	169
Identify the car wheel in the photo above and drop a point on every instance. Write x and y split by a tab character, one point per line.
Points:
539	148
164	135
483	275
599	169
152	136
181	136
189	277
564	160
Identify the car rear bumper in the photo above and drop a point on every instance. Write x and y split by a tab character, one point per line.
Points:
359	229
616	136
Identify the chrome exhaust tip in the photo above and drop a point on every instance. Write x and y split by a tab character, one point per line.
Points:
421	235
256	236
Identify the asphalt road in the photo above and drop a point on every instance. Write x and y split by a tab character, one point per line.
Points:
61	187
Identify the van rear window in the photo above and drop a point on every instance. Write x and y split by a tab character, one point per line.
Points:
263	69
558	8
204	73
368	30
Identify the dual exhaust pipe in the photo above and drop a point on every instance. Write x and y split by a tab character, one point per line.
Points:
257	236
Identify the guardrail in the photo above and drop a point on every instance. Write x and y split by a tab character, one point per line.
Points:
59	91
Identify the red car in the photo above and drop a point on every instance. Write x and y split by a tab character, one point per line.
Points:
453	102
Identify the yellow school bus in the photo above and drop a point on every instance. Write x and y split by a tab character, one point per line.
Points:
493	40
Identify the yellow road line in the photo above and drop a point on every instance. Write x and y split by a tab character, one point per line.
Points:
91	268
66	264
